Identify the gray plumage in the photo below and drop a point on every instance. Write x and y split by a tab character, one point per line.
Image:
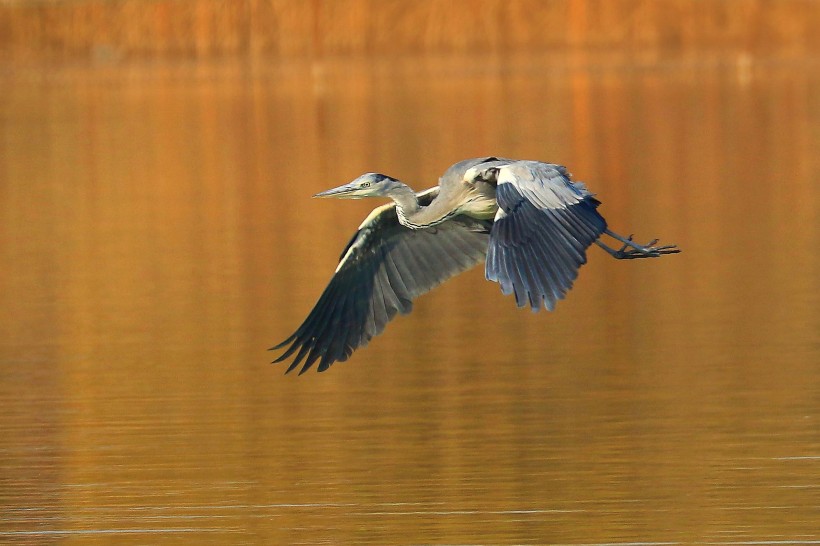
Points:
529	220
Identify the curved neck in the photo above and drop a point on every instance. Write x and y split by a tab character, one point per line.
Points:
414	216
406	201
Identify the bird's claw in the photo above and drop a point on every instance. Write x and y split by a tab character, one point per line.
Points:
649	250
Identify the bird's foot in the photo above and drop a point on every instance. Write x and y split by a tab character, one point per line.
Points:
632	250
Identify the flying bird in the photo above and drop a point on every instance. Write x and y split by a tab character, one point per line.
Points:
528	221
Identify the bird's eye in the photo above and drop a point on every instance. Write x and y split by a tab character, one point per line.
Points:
365	184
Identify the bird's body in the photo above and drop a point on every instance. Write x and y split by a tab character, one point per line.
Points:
528	219
475	199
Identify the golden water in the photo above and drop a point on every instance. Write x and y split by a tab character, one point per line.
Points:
157	235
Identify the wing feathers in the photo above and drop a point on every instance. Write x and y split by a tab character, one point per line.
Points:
543	227
383	269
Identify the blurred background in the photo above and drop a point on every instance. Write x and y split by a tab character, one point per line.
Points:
157	235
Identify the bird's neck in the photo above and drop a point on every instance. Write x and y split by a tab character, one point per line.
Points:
415	216
407	204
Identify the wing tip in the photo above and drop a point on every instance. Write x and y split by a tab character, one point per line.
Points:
282	344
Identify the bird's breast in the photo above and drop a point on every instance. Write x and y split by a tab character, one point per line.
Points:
480	206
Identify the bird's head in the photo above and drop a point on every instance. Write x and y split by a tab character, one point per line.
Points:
367	185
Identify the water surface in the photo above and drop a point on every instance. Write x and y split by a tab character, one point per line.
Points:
157	235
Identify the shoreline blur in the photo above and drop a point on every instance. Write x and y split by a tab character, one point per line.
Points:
32	31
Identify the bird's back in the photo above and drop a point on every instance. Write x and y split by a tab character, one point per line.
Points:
476	199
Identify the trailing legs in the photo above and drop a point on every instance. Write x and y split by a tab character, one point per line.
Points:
632	250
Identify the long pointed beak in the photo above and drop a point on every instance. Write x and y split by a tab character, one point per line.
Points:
348	191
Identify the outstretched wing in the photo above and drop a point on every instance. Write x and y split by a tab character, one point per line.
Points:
544	224
383	269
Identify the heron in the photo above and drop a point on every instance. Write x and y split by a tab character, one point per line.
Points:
529	221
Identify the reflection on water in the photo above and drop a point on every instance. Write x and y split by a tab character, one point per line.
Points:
157	236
